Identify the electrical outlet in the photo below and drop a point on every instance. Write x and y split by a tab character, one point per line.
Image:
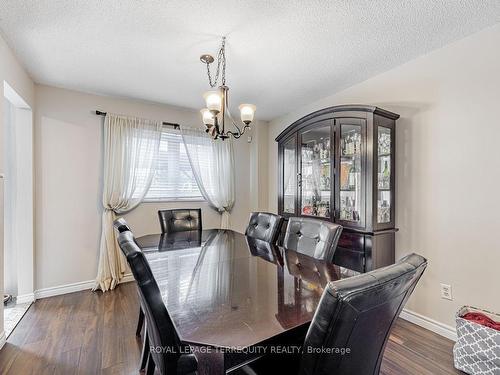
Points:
446	292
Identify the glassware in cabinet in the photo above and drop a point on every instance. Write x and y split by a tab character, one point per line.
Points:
315	173
350	173
289	175
384	147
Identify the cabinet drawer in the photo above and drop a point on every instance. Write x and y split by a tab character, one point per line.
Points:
354	260
352	241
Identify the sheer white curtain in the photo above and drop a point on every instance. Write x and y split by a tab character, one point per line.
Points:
130	154
212	162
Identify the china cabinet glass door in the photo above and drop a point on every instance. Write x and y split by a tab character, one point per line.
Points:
289	175
351	201
316	172
384	175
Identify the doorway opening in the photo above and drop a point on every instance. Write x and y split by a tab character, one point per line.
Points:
18	242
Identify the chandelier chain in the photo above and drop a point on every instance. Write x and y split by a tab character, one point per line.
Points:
221	61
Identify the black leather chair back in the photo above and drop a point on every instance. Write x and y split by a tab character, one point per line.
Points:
161	331
313	237
264	226
180	220
121	225
358	313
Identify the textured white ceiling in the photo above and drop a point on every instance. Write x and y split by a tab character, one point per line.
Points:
281	54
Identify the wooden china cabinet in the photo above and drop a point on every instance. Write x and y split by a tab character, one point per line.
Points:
337	164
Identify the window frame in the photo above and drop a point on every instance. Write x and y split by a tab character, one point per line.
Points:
199	198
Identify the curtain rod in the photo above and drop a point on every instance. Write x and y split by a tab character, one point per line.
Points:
164	123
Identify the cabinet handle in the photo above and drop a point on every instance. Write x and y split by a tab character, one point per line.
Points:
299	179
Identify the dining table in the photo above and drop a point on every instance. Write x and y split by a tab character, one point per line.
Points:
236	296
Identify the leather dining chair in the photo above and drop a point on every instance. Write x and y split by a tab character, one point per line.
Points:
167	356
264	226
121	226
356	313
180	220
313	237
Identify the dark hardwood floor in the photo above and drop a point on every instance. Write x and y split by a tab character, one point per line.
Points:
94	333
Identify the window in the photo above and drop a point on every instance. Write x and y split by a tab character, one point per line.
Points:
174	178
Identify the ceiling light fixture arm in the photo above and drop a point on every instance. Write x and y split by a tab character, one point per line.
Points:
226	97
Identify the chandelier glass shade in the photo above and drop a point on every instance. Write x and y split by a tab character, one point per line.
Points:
216	112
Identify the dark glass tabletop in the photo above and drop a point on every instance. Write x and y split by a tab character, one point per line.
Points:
224	289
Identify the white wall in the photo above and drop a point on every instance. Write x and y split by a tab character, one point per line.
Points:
13	73
258	166
68	154
448	167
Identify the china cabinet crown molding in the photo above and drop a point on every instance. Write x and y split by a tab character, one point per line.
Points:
335	109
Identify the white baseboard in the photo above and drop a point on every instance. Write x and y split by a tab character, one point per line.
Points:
432	325
3	339
74	287
25	298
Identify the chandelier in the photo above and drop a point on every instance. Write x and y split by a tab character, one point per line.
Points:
217	101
